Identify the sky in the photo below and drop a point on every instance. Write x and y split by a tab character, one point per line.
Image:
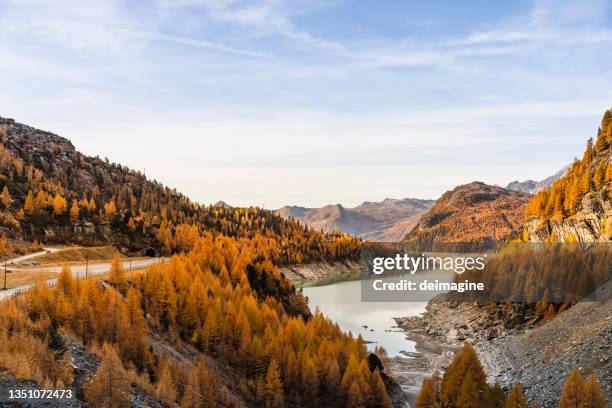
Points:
311	102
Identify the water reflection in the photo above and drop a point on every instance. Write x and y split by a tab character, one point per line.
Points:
341	302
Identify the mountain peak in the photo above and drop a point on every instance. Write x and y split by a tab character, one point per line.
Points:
386	220
472	212
221	204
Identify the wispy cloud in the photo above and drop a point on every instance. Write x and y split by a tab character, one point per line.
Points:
283	86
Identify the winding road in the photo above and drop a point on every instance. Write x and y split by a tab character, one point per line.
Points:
78	270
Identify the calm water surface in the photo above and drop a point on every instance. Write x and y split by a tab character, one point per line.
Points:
341	302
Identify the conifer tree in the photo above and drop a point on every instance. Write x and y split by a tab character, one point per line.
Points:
572	391
469	395
273	388
28	205
59	204
110	387
465	362
116	274
593	396
495	396
91	206
74	212
191	394
65	281
380	396
6	197
516	398
355	397
429	395
599	179
166	388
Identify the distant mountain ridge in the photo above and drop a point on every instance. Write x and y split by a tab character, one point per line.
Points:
474	212
387	220
532	186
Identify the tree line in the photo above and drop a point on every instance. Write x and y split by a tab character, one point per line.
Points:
591	173
62	187
225	298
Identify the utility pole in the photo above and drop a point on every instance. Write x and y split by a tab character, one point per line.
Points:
86	264
5	261
6	249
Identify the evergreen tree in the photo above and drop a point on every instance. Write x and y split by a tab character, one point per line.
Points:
593	396
429	395
465	367
28	205
109	388
6	197
380	397
273	388
59	204
74	212
355	397
116	274
572	391
469	395
495	396
516	398
599	179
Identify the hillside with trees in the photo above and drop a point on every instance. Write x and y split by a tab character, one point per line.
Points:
578	207
249	336
52	193
474	212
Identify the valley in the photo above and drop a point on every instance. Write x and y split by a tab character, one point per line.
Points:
249	307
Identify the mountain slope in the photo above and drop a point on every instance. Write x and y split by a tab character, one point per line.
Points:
216	325
53	193
474	212
532	187
387	220
541	358
578	207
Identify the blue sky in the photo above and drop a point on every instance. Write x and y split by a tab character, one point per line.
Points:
312	102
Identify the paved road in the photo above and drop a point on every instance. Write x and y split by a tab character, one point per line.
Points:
45	250
79	270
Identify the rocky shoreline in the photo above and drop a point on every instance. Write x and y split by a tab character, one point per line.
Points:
322	271
512	345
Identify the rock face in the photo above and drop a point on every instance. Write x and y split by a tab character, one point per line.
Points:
322	270
514	347
474	212
387	220
541	358
578	206
46	159
532	186
587	225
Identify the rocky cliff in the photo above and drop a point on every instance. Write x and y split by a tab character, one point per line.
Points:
592	222
578	206
532	186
